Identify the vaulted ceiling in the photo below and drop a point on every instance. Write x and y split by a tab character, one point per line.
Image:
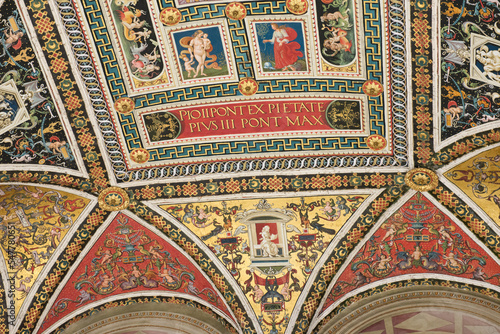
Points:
273	166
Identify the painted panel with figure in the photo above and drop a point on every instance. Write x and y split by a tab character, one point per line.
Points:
138	41
337	36
281	47
201	53
270	246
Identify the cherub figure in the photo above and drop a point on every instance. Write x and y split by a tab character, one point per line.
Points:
144	71
166	275
135	271
206	42
56	144
152	56
383	264
285	291
391	230
257	294
13	39
188	65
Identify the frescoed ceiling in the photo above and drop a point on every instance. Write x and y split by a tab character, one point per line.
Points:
249	167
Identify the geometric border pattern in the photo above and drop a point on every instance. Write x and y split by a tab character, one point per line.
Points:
122	174
423	150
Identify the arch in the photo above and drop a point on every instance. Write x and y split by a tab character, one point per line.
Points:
157	317
366	312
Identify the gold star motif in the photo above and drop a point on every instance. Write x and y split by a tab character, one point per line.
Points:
170	16
124	105
248	87
139	155
297	6
113	199
236	11
376	142
421	179
372	88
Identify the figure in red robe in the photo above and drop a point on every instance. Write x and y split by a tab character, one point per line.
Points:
286	51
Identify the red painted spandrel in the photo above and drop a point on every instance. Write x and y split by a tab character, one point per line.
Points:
416	239
130	258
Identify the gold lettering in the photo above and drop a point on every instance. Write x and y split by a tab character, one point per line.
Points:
183	113
252	111
240	109
303	106
259	109
230	111
255	122
205	126
227	124
244	122
275	120
306	119
317	120
290	122
272	107
264	122
211	125
192	116
192	126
